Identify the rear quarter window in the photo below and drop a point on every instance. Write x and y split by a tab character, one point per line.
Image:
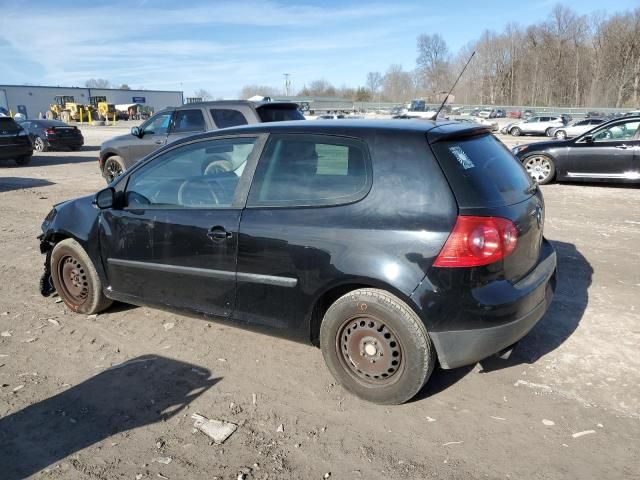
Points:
275	114
226	117
8	124
482	172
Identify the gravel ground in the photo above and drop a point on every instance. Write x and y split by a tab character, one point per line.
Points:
566	405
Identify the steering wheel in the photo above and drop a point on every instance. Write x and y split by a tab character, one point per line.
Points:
186	191
219	166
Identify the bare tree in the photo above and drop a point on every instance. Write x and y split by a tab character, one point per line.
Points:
374	82
97	83
203	94
398	85
433	63
249	91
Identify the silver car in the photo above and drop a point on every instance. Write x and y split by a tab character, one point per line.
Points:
538	125
576	128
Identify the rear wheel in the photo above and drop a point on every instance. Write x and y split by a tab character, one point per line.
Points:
541	168
376	346
113	168
516	132
75	278
22	161
39	145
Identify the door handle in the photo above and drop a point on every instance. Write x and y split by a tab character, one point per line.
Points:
622	147
159	142
218	234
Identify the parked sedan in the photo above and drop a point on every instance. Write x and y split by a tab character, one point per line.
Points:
609	152
15	143
480	121
321	232
576	128
53	135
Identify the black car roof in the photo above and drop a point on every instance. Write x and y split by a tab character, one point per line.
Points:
249	103
437	130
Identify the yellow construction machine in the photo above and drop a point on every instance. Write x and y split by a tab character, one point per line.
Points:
105	110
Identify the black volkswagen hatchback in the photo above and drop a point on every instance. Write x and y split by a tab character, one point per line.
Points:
391	245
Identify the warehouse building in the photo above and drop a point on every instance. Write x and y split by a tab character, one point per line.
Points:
34	100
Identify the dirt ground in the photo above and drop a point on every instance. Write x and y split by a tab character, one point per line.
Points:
566	405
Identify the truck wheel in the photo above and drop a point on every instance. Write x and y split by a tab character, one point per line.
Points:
75	278
376	346
22	161
113	168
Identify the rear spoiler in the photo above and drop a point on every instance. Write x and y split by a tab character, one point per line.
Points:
452	131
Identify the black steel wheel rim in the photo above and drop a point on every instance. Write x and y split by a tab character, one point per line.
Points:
369	350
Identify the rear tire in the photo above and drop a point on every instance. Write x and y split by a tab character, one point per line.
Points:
75	278
113	168
23	161
540	167
39	145
515	131
560	135
376	346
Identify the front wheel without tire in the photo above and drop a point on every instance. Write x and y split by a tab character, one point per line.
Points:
541	168
75	278
376	346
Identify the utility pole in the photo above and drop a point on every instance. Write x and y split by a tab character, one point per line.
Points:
287	83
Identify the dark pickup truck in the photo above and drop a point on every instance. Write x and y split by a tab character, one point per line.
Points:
119	153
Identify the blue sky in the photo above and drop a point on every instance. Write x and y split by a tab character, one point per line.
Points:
221	46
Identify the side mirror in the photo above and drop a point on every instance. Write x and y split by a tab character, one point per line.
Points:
105	198
588	139
137	132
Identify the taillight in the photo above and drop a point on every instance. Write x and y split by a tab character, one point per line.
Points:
477	241
50	131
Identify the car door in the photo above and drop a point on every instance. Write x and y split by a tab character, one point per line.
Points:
529	125
173	240
153	135
284	242
605	153
186	122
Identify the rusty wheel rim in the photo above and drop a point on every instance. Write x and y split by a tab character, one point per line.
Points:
369	350
73	280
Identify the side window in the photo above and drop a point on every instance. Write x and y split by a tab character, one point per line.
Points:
198	175
307	170
224	117
158	125
188	121
620	131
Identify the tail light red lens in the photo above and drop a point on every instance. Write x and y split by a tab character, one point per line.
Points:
50	131
477	241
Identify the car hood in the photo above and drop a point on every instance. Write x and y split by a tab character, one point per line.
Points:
545	144
115	141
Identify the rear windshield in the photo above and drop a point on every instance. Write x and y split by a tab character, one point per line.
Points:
275	114
7	124
482	172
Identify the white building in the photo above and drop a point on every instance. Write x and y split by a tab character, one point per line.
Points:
35	100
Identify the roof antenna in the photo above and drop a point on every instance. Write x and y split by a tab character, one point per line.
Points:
454	86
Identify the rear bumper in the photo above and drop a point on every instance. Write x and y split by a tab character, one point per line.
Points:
15	151
65	142
456	348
